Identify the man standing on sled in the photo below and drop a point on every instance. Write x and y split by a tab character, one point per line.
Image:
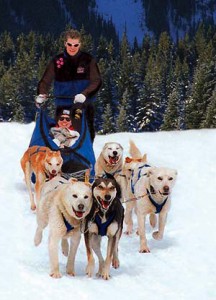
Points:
75	74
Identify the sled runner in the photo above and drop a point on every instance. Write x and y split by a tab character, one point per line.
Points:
77	158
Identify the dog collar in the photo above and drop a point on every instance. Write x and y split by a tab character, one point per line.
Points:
157	206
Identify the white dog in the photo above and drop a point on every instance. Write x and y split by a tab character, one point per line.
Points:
64	205
110	160
152	192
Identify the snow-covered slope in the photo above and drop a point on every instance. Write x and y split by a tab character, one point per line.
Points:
182	266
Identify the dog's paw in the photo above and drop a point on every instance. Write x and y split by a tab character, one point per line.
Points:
157	236
115	263
55	275
144	250
90	270
33	207
128	231
71	273
105	275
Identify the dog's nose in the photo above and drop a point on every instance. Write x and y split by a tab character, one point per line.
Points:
80	206
53	171
115	153
166	189
107	197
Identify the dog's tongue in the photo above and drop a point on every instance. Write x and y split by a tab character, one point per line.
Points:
105	204
79	214
113	159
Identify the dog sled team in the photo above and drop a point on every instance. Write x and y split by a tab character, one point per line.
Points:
121	189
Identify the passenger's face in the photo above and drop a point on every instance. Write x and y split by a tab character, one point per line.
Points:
64	121
72	46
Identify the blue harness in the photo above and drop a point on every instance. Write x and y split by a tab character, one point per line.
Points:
102	227
138	177
157	206
68	225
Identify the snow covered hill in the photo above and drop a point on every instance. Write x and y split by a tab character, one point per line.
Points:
182	266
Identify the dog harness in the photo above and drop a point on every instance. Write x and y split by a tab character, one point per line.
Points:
102	227
138	177
37	150
68	225
157	206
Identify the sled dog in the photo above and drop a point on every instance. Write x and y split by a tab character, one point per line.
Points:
131	169
63	206
105	218
44	163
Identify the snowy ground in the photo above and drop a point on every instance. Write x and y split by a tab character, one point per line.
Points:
182	266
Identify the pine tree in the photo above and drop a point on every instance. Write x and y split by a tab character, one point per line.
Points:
210	120
108	122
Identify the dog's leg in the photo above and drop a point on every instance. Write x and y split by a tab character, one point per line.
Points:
42	221
158	235
128	217
90	258
115	259
96	246
53	254
153	220
40	179
27	173
110	249
65	247
74	243
141	218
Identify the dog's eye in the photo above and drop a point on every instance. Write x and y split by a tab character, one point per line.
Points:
85	197
58	164
170	178
49	164
160	178
100	187
112	188
74	195
130	170
109	148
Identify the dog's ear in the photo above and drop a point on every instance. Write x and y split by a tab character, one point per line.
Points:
87	176
144	158
150	171
88	184
128	160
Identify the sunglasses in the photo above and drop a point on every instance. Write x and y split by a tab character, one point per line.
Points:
74	45
65	118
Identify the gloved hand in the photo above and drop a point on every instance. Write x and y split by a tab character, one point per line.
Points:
40	99
79	98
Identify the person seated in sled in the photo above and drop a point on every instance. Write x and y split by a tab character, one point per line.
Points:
75	74
63	133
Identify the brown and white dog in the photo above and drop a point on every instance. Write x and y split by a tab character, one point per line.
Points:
44	163
105	218
131	170
64	204
153	191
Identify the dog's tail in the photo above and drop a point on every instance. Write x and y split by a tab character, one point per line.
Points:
134	151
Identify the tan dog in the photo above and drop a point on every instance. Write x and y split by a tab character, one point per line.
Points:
64	206
110	160
44	163
153	191
131	170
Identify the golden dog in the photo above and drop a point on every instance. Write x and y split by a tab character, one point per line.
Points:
44	163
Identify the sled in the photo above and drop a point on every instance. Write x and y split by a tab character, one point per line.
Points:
78	158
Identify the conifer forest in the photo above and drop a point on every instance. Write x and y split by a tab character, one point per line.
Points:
158	85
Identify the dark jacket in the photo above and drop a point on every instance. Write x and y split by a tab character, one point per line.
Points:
71	75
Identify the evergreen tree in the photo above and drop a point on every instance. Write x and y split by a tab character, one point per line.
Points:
108	122
210	120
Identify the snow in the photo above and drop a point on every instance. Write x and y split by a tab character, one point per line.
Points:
181	266
125	14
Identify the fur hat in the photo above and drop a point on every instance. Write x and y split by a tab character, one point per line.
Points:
62	111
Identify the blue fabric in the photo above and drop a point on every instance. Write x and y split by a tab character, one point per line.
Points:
69	88
82	150
68	225
102	227
157	206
